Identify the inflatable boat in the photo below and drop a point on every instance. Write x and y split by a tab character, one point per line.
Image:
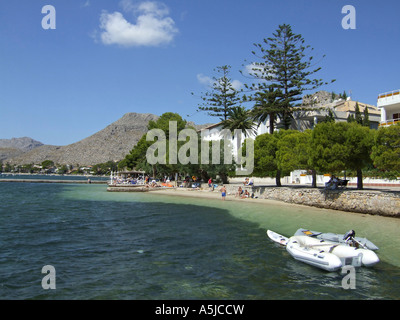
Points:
349	238
327	255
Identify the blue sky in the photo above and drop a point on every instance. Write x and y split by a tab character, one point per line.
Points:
106	58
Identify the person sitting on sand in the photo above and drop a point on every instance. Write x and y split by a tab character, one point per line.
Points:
246	194
239	192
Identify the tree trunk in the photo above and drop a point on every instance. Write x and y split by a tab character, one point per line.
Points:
271	123
278	178
204	175
224	178
314	179
359	180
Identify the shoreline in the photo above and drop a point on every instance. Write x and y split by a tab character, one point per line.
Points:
216	195
373	202
377	201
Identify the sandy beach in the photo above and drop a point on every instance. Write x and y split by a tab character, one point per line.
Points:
216	194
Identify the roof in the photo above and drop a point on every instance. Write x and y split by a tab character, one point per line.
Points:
350	106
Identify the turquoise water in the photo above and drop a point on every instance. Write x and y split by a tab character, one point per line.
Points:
52	177
151	246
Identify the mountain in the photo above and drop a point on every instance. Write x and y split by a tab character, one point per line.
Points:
112	143
14	147
23	144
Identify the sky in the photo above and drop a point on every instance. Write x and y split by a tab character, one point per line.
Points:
69	70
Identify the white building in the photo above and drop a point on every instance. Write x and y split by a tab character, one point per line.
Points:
389	105
303	120
215	132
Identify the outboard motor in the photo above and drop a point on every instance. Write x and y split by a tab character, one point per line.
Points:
349	235
349	238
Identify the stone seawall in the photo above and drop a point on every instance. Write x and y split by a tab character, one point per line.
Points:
375	202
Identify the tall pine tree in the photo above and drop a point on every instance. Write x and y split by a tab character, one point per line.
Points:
286	67
222	97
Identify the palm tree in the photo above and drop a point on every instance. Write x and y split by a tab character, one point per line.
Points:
240	119
266	107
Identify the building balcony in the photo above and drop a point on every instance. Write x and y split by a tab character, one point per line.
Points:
388	98
389	104
389	122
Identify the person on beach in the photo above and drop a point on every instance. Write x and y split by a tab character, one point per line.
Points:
223	192
210	184
246	194
239	192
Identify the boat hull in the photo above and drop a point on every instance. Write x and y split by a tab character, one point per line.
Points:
312	256
327	255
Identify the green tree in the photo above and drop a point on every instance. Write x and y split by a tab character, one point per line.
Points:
221	169
47	164
366	122
358	116
329	117
359	140
339	146
8	167
239	118
386	150
63	169
328	150
350	118
287	68
266	162
293	153
163	122
136	159
222	96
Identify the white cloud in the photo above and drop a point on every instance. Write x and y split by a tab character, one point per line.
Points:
153	27
236	84
207	81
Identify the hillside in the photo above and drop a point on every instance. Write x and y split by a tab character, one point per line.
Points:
111	143
10	148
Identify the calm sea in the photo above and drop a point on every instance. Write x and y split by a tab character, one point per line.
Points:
150	246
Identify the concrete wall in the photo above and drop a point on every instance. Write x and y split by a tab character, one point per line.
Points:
375	202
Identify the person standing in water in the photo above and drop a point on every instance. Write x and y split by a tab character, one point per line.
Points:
223	192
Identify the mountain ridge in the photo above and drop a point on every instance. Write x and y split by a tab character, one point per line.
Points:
113	143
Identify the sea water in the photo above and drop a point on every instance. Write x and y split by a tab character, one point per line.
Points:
105	245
